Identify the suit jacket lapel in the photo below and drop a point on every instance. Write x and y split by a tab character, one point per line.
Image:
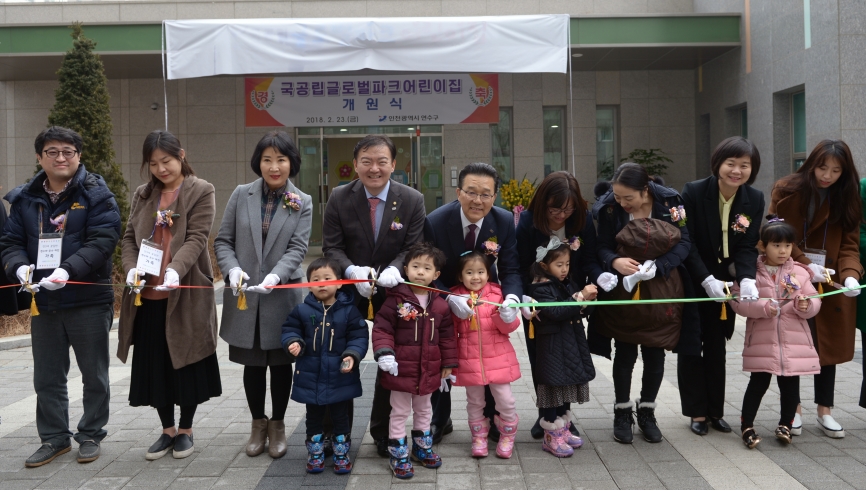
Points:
738	207
281	216
455	231
487	230
392	206
711	212
362	209
254	209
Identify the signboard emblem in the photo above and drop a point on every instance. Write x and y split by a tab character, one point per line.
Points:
262	99
481	96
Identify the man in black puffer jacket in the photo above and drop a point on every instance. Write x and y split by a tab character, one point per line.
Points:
66	201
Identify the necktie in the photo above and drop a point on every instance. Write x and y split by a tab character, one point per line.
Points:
373	202
469	241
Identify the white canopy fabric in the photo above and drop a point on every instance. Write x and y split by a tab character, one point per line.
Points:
495	44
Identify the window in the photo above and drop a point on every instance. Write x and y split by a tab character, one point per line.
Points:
554	139
605	141
501	138
798	129
744	122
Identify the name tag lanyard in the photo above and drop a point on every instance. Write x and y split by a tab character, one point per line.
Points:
817	256
50	244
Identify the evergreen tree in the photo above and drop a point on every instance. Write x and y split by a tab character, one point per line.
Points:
81	104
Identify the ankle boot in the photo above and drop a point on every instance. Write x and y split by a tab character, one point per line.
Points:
623	421
422	449
342	464
646	421
400	464
553	438
479	430
568	437
258	437
276	438
507	430
316	458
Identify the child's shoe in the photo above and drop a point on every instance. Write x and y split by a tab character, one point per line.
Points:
507	430
574	441
422	449
479	430
400	458
342	464
797	425
751	438
553	438
646	421
316	460
783	433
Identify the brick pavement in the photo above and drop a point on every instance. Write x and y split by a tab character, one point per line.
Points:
682	461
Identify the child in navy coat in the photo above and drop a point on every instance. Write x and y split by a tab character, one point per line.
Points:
329	337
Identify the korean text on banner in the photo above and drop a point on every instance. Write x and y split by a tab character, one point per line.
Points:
372	100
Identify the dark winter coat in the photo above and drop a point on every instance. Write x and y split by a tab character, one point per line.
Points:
9	297
317	378
562	353
422	346
91	233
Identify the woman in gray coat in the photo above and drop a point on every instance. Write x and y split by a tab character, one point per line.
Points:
261	242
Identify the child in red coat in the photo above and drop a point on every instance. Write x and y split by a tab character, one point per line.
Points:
415	346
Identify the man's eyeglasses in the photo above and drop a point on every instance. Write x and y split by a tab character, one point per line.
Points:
473	195
560	211
67	154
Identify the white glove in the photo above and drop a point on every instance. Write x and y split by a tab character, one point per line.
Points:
443	386
506	313
361	273
818	275
628	282
388	364
235	276
459	306
390	277
60	275
648	270
25	277
714	287
527	311
270	280
607	281
748	290
850	282
169	282
130	280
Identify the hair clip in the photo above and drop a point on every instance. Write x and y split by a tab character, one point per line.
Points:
775	220
465	253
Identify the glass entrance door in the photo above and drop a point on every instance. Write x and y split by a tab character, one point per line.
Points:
312	179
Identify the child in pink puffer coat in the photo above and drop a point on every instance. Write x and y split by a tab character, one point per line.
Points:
485	355
778	339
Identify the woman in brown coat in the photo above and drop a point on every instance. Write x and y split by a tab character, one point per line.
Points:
174	330
804	199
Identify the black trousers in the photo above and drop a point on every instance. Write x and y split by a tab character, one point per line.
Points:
255	388
702	377
339	416
550	413
825	382
863	362
759	382
624	359
380	414
187	413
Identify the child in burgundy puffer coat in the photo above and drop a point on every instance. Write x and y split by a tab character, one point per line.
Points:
415	346
778	339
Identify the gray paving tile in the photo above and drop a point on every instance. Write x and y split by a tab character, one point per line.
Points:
638	479
370	482
686	483
20	483
457	481
193	483
547	480
605	484
105	483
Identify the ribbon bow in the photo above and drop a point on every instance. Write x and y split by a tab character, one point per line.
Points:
542	251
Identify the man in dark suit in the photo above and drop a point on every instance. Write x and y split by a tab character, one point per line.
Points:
460	226
368	226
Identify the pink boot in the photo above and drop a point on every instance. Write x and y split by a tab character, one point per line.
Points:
554	440
570	438
507	429
479	431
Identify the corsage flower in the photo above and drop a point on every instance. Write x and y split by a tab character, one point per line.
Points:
407	312
491	246
789	284
292	201
678	215
164	218
396	225
574	243
741	223
59	222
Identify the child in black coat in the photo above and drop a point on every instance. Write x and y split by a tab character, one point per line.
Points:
563	366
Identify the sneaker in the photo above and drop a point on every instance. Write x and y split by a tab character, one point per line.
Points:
160	448
183	446
831	427
797	425
46	453
623	422
88	451
783	433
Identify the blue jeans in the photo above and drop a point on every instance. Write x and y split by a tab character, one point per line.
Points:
53	332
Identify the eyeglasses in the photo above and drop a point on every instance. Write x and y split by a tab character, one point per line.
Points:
67	154
472	195
560	211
